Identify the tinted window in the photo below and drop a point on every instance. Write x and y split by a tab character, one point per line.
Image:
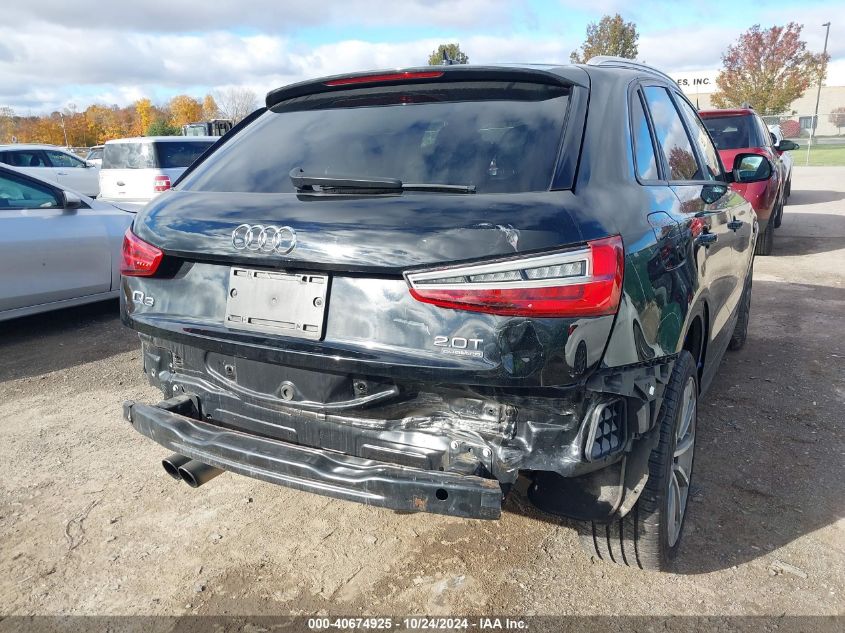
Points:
128	156
643	146
173	154
95	154
732	132
671	135
60	159
702	140
17	193
498	137
25	158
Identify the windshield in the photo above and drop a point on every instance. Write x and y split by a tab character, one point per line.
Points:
499	137
731	132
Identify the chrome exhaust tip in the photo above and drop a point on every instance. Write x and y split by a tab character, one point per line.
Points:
195	473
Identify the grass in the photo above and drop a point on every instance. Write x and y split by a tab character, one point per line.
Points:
827	155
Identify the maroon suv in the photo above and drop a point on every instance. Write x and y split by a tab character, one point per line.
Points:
742	131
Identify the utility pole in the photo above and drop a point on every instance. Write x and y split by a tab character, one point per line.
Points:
818	93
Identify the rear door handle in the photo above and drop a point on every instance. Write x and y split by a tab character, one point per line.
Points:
61	173
735	225
706	239
120	183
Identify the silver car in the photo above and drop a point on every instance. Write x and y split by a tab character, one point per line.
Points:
58	248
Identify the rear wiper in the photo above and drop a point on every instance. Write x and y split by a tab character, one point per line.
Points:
354	184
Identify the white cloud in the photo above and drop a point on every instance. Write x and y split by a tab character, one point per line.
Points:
277	16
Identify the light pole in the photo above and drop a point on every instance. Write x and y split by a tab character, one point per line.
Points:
818	93
62	117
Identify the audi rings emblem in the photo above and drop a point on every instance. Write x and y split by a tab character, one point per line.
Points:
264	239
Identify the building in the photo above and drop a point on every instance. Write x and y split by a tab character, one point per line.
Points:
699	86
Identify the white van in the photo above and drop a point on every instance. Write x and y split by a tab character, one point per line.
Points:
135	170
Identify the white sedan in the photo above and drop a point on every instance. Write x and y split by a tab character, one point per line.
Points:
53	164
58	248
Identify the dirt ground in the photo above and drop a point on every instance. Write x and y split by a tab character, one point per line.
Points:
90	524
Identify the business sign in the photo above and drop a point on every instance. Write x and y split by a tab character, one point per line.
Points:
696	82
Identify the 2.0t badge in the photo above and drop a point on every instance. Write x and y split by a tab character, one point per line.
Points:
264	239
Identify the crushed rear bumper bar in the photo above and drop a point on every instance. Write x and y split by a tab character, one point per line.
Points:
314	470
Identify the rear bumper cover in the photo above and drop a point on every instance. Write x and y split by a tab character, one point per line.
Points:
315	470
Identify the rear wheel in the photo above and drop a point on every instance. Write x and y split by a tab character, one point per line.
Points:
741	328
765	241
649	535
788	188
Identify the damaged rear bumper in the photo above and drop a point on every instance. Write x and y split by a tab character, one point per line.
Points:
314	470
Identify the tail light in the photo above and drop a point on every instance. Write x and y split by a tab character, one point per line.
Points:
139	258
585	282
162	183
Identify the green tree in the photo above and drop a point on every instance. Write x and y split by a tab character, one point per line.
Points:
452	50
768	68
163	127
611	36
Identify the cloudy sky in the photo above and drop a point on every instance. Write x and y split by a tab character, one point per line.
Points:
54	53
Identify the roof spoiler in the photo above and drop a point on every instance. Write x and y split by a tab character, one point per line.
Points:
440	74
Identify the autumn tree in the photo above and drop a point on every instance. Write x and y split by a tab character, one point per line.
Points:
144	110
184	109
236	103
837	118
611	36
7	124
452	50
768	68
209	108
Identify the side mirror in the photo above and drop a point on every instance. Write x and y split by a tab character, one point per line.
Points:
786	146
750	168
72	200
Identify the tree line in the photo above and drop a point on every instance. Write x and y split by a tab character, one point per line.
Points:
99	123
766	68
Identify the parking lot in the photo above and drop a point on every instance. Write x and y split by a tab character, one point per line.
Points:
90	523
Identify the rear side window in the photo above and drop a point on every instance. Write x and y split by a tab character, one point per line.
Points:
643	146
25	158
671	135
128	156
702	140
500	137
173	154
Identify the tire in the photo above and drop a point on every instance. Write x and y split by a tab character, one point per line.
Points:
648	537
779	217
740	332
788	188
765	241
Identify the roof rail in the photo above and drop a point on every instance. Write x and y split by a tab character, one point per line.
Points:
624	62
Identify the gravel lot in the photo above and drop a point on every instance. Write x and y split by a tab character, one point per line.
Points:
90	524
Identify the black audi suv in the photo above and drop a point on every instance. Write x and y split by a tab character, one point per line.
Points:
416	289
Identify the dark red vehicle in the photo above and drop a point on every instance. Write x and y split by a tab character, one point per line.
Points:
742	131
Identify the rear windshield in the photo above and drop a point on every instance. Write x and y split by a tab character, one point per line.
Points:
164	155
499	137
732	132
